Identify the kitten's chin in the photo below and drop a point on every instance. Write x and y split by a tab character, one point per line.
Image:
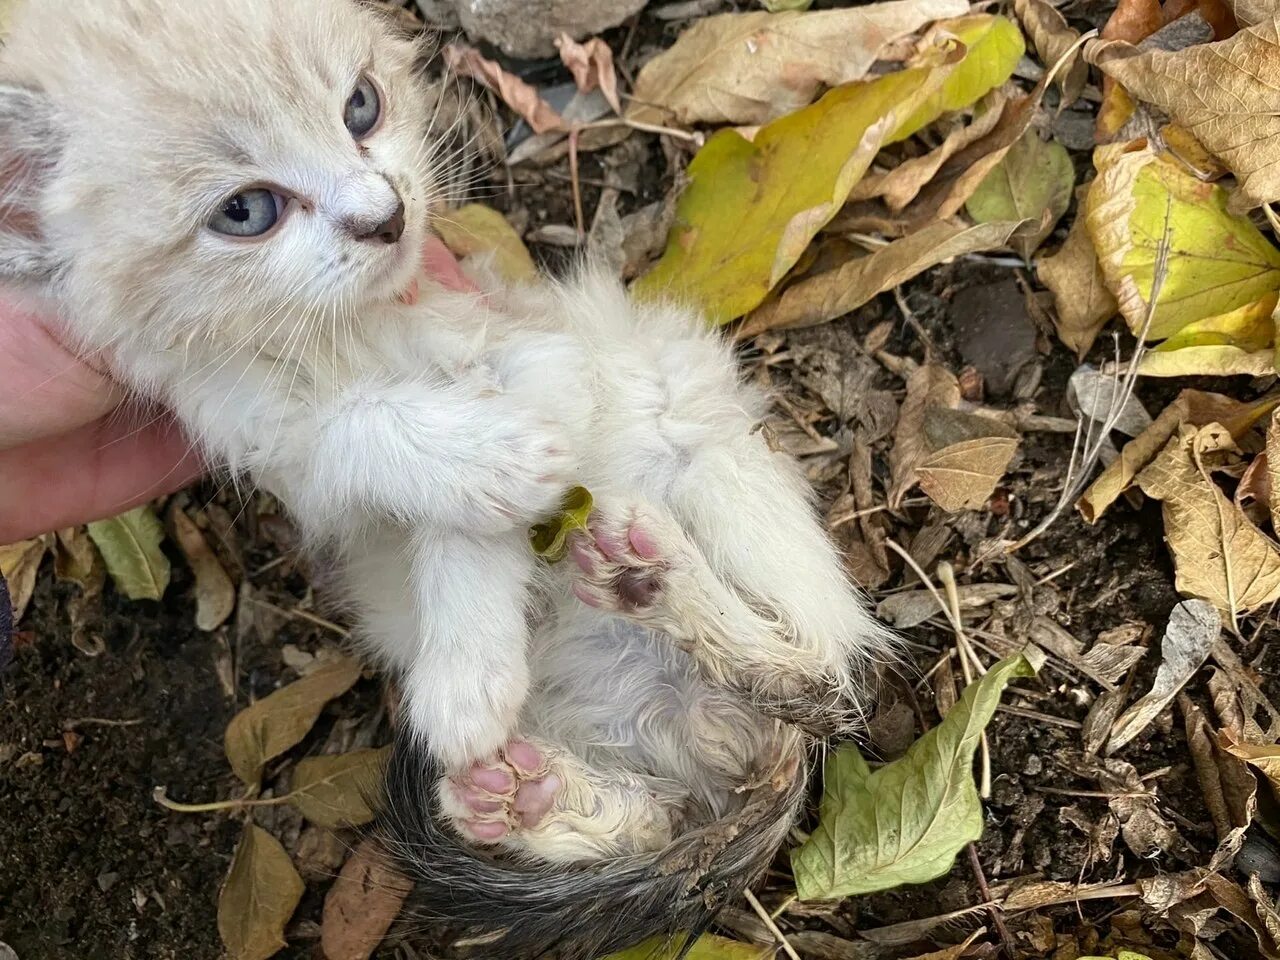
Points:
400	274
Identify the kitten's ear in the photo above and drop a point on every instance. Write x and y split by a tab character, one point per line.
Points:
29	146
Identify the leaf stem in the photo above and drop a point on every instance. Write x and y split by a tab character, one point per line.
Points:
160	796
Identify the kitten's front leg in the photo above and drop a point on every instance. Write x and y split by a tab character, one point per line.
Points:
467	675
409	450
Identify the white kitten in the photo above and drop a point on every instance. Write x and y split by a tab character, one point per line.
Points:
227	199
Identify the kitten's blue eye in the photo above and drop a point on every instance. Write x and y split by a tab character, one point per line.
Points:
363	109
249	213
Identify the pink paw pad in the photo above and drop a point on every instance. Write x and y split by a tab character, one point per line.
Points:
622	569
505	793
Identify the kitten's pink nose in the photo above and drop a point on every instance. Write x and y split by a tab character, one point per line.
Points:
390	230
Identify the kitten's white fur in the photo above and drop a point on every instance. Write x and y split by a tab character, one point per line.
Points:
420	441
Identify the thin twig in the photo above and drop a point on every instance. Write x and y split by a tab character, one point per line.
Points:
578	216
767	920
997	914
160	796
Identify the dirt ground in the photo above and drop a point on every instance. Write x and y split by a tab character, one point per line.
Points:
92	866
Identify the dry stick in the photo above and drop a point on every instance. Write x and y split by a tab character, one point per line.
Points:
997	913
160	796
763	914
1079	471
578	216
967	656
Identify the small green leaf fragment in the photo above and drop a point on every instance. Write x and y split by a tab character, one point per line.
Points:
130	548
550	538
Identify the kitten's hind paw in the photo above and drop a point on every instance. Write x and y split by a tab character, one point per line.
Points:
492	798
622	563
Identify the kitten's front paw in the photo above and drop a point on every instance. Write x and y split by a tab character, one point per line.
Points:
512	790
530	469
623	562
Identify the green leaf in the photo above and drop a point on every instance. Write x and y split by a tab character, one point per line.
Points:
550	539
708	947
752	207
130	547
275	723
258	897
905	822
335	791
1033	182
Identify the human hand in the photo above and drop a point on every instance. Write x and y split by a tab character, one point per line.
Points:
74	447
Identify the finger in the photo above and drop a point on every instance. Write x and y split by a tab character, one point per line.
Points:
47	390
442	267
96	471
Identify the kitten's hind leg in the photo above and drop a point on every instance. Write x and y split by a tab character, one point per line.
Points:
537	799
640	563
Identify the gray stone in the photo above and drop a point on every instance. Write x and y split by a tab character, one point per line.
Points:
527	28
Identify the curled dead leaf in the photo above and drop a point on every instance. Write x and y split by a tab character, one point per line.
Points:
275	723
215	593
515	93
19	564
1219	556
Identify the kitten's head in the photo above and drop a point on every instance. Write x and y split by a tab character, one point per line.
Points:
174	170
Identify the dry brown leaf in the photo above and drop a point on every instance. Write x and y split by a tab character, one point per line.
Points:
1192	407
258	897
19	564
969	455
961	175
336	791
77	559
1229	789
1052	38
215	593
1080	294
900	185
361	905
1193	627
928	386
277	722
1234	115
749	68
515	93
836	292
591	64
1273	457
1218	555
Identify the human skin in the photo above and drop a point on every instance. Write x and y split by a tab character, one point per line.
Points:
73	446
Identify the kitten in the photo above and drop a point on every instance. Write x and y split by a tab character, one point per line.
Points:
227	200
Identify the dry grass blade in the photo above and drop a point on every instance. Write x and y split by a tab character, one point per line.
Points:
1086	455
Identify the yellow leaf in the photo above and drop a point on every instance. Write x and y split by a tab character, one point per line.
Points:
1080	295
1218	555
1265	758
749	68
19	564
1192	407
1239	342
476	228
993	46
1032	182
752	207
707	947
277	722
835	292
336	791
1217	263
1223	93
258	897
